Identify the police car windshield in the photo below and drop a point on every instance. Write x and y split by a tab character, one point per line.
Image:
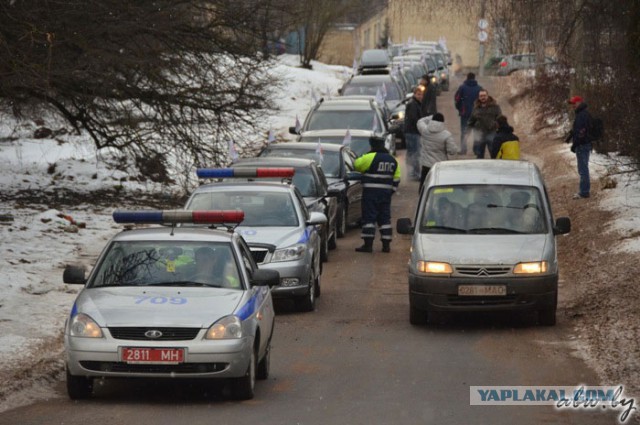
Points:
483	209
261	208
167	263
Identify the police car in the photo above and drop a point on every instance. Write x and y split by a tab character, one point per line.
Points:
280	230
171	302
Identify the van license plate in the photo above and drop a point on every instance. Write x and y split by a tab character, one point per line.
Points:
482	290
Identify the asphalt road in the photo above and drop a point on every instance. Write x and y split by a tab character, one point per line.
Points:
357	360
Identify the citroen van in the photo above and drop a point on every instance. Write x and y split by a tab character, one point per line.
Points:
483	239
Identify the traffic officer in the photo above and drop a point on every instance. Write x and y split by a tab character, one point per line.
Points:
380	179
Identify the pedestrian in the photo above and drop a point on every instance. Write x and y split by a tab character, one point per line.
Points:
413	112
429	100
436	142
581	144
465	97
505	145
380	179
483	121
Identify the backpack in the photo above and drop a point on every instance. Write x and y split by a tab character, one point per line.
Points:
595	129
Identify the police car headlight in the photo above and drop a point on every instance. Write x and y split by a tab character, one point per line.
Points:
535	267
294	252
84	326
229	327
433	267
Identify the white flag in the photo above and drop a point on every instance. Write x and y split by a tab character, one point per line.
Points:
379	97
319	152
298	126
354	70
271	137
314	98
374	125
233	154
384	91
347	138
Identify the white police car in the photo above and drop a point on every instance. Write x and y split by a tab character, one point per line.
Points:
171	302
282	233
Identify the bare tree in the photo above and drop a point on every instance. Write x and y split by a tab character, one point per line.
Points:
149	78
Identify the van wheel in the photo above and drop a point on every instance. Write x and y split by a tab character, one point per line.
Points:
307	302
79	387
418	317
547	317
263	367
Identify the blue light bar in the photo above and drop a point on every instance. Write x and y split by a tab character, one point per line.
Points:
179	216
215	173
137	216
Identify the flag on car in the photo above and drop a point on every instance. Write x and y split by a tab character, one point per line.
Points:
319	152
379	97
374	125
347	138
298	126
233	154
314	98
354	70
384	91
271	138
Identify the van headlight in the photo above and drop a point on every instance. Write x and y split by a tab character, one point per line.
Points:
434	267
535	267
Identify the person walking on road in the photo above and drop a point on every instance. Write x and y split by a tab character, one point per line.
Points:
412	113
465	97
483	121
437	143
505	145
429	100
581	144
380	179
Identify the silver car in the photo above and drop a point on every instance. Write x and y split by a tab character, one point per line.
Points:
484	239
171	302
279	229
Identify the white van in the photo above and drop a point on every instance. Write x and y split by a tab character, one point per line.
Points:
483	240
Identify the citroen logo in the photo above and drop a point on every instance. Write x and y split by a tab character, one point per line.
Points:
482	272
153	334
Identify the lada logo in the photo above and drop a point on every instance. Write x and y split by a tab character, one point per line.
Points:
153	334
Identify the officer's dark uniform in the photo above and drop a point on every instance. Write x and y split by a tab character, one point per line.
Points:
380	179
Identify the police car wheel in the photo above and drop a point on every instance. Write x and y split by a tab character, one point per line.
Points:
79	387
316	285
324	247
417	317
263	367
307	302
243	388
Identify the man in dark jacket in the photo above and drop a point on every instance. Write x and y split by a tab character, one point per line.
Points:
465	97
483	121
412	113
581	144
429	100
380	179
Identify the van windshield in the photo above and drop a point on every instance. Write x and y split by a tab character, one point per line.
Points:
483	209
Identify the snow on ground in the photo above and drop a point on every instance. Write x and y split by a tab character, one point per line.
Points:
36	241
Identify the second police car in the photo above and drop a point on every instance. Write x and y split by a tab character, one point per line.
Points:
282	233
171	302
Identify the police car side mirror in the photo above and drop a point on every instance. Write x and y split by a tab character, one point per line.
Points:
404	226
317	218
265	277
292	130
74	274
563	226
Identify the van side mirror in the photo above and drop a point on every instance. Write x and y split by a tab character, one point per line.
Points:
404	226
562	226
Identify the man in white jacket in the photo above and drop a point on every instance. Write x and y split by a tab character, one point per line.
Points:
436	143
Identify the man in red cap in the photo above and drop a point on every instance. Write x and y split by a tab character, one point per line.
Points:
581	144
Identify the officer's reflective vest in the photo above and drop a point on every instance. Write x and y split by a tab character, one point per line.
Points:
380	170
